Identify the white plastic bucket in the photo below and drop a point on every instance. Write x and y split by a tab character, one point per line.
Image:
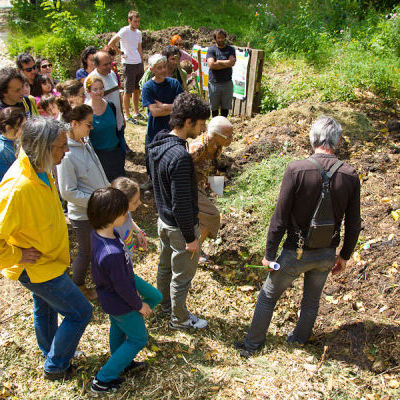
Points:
217	184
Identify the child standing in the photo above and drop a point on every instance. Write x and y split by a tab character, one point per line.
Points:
117	288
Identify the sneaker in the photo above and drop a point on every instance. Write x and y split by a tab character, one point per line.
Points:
139	116
106	387
136	366
62	375
244	351
132	121
193	322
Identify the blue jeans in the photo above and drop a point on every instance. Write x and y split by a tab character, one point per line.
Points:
316	265
58	296
128	334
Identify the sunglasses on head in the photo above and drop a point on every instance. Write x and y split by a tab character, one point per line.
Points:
44	66
30	68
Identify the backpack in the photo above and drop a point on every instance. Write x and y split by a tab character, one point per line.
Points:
322	226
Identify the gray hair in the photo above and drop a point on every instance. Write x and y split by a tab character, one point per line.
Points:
156	59
37	139
325	132
216	125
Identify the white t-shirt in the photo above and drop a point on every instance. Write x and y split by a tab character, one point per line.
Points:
110	81
129	44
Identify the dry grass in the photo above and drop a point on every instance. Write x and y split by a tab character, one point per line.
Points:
187	365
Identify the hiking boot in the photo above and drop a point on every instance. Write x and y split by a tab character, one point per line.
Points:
136	366
106	387
244	352
193	322
131	120
90	294
61	375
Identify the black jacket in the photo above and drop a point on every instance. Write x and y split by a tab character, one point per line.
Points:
172	172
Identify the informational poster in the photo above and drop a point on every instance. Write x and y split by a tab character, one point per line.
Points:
204	65
239	74
239	70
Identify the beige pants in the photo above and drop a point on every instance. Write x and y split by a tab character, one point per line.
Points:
209	216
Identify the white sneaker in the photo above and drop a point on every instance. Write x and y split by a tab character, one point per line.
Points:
192	322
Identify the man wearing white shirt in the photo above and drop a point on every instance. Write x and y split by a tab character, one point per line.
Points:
130	39
102	62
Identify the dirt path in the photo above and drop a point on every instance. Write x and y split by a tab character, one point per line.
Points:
5	59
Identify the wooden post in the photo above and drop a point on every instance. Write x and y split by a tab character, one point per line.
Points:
200	74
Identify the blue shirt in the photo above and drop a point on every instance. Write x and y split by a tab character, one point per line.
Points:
7	155
113	275
164	92
81	73
104	133
44	178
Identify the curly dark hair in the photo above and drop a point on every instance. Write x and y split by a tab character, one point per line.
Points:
24	58
6	76
188	106
219	32
85	54
170	51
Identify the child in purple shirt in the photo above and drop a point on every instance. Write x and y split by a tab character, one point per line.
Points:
118	288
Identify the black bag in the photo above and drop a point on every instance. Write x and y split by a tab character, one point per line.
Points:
322	226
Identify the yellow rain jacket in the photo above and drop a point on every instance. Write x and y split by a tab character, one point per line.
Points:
31	215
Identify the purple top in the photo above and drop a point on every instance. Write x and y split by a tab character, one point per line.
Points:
113	276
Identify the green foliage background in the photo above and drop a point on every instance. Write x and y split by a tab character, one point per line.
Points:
330	47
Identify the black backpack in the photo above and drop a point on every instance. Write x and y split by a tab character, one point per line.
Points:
322	226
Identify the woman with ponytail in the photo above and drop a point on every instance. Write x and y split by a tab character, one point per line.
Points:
79	175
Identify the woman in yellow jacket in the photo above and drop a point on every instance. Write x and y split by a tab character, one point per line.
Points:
34	244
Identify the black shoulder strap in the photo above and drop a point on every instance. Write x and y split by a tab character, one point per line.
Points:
334	168
326	175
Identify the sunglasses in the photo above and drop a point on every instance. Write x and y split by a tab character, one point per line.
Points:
45	66
30	69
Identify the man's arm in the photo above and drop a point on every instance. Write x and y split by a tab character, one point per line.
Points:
280	220
140	50
352	223
159	109
181	193
220	64
113	43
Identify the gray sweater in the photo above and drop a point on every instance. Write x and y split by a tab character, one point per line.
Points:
79	175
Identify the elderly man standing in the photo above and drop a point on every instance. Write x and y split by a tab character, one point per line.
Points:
220	59
102	62
34	245
130	39
204	151
300	192
28	68
175	192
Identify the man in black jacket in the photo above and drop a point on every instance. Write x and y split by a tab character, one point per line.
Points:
299	194
175	190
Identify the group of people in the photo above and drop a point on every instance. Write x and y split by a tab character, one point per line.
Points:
81	144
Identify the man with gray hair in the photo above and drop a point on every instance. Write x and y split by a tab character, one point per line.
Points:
302	185
204	151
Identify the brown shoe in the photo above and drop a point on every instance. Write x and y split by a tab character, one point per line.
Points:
90	294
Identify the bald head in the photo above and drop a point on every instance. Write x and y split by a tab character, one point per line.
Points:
102	61
221	130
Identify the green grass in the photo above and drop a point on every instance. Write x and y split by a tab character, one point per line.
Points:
254	192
